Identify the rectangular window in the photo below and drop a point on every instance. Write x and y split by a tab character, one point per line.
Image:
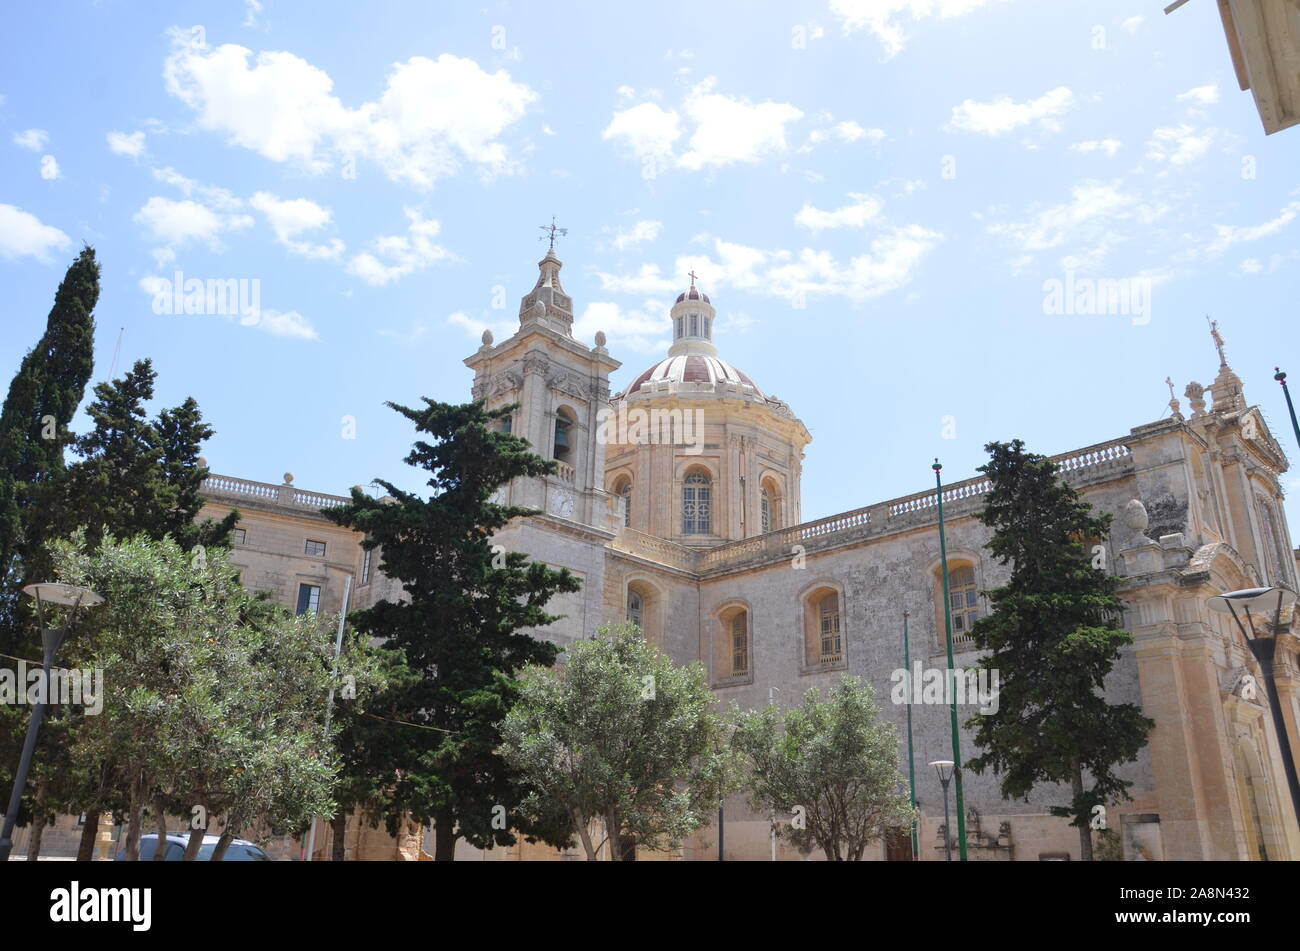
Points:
238	536
695	325
739	644
679	326
506	423
308	598
315	548
365	566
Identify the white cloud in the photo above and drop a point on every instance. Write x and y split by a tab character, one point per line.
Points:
850	131
1251	266
433	116
1202	95
862	209
33	140
639	233
1132	24
285	324
648	280
49	167
1179	145
647	129
251	9
474	327
890	262
882	17
645	329
1003	115
1228	235
120	143
1109	146
22	233
392	257
1087	221
726	130
291	218
181	222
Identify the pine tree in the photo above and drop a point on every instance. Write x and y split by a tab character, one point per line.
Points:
461	620
41	402
139	475
1053	636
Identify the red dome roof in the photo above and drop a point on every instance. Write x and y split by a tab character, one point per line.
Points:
693	368
692	294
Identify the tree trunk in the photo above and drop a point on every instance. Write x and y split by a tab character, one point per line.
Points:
196	839
1085	833
444	836
338	829
38	823
584	834
612	836
89	833
160	853
136	818
223	843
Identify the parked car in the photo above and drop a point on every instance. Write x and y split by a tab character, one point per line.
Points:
240	850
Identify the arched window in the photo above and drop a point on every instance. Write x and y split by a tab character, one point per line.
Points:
740	644
563	435
770	506
964	600
828	617
624	491
636	609
697	504
765	507
823	633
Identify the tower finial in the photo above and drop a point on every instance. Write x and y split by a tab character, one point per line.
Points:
691	273
1218	340
551	231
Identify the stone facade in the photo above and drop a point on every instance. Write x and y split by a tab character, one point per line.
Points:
698	537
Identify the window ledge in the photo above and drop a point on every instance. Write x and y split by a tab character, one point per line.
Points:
739	680
825	666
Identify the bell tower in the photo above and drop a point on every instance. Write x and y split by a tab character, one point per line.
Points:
560	385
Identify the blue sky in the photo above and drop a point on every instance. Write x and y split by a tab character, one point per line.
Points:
874	193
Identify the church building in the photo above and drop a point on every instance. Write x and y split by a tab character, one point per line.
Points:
676	501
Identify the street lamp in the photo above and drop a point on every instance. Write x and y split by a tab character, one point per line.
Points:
1264	647
67	595
944	767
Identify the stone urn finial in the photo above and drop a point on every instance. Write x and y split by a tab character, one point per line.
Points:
203	462
600	339
487	338
1134	517
288	478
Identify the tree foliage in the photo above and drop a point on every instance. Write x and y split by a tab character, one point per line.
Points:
463	621
1053	636
621	734
831	767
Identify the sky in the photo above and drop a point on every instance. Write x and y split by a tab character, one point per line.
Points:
880	196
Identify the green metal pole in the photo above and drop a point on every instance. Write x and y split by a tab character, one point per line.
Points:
1280	376
911	757
952	701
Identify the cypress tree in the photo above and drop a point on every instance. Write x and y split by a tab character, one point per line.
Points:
460	622
1053	636
42	399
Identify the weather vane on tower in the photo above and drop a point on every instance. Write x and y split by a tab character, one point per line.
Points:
551	231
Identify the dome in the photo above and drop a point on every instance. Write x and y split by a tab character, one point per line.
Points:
693	368
692	294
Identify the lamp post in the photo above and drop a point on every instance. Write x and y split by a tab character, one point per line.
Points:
1280	376
1264	647
911	756
329	702
52	638
944	767
951	685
